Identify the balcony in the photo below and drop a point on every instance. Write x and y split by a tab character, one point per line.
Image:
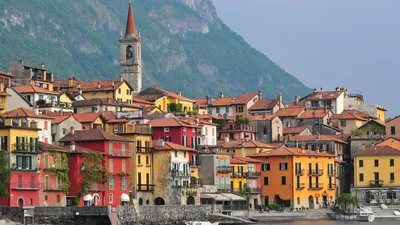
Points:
122	154
138	128
376	183
27	148
300	186
25	186
194	163
238	175
224	187
224	169
145	150
332	186
318	186
145	187
315	172
253	174
299	172
52	187
25	168
331	173
175	173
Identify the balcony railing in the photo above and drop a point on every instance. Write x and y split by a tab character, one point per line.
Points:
315	172
238	175
180	173
224	187
52	187
139	128
331	173
300	186
119	153
253	174
331	186
146	150
27	148
32	167
25	186
224	169
318	186
194	163
376	183
299	172
145	187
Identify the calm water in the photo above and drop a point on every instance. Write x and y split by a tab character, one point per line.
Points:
330	222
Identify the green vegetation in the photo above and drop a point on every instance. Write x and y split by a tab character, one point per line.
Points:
61	172
346	201
80	38
5	175
93	170
174	107
374	127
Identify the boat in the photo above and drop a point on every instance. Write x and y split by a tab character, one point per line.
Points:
365	215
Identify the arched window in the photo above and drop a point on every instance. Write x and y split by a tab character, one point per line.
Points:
129	52
190	200
298	201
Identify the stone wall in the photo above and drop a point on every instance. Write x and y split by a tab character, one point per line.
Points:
161	215
12	213
71	215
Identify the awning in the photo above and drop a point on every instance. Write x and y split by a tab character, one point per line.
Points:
87	198
208	196
125	198
229	197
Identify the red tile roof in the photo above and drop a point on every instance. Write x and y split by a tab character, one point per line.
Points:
235	160
111	117
50	147
130	23
311	114
323	95
264	104
65	83
93	135
86	117
289	112
171	146
6	74
285	151
261	117
352	115
378	150
244	98
141	101
225	101
59	119
246	159
148	94
105	85
201	102
313	138
23	112
246	144
95	101
171	122
33	89
293	130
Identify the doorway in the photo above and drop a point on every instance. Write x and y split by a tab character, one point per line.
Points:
311	202
21	202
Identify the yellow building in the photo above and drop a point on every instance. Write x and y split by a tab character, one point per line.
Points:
297	178
90	120
5	81
376	174
349	120
141	161
64	100
238	175
245	147
167	101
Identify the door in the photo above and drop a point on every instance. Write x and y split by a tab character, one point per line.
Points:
255	204
376	175
147	181
311	202
240	186
139	181
266	200
231	186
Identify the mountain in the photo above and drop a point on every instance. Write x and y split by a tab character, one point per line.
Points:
186	46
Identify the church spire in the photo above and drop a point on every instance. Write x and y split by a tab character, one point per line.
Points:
130	22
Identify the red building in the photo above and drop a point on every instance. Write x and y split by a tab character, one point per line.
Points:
178	131
102	178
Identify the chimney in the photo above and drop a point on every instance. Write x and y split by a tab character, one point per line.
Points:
179	93
315	90
247	138
42	65
112	83
36	110
221	94
80	90
337	89
160	143
79	85
317	150
323	151
208	100
363	147
70	82
259	95
121	78
280	100
72	130
296	99
303	149
21	61
322	90
98	84
72	146
226	139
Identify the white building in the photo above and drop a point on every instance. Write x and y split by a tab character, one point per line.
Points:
208	133
333	100
62	125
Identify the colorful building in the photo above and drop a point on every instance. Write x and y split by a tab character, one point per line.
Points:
172	175
90	120
350	120
233	106
29	75
266	106
215	170
20	144
5	81
245	147
297	178
236	131
114	155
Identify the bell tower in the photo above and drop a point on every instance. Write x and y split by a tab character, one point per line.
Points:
131	54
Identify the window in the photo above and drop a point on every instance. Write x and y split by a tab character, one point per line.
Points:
40	97
46	125
24	162
110	198
127	92
360	163
58	161
266	181
176	153
314	103
298	201
111	183
184	154
46	161
213	131
376	162
147	160
283	180
265	130
343	123
124	165
59	182
184	129
217	109
138	160
119	90
31	201
111	166
391	176
94	109
123	183
46	182
392	130
46	198
166	129
391	162
227	109
361	177
266	167
58	198
283	166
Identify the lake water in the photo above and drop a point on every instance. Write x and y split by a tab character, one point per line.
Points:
331	222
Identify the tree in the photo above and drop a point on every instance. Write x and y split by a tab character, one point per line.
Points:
5	174
346	200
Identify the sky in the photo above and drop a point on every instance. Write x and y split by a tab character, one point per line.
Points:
352	44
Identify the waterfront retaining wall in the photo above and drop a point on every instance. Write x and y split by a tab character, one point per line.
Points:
72	215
